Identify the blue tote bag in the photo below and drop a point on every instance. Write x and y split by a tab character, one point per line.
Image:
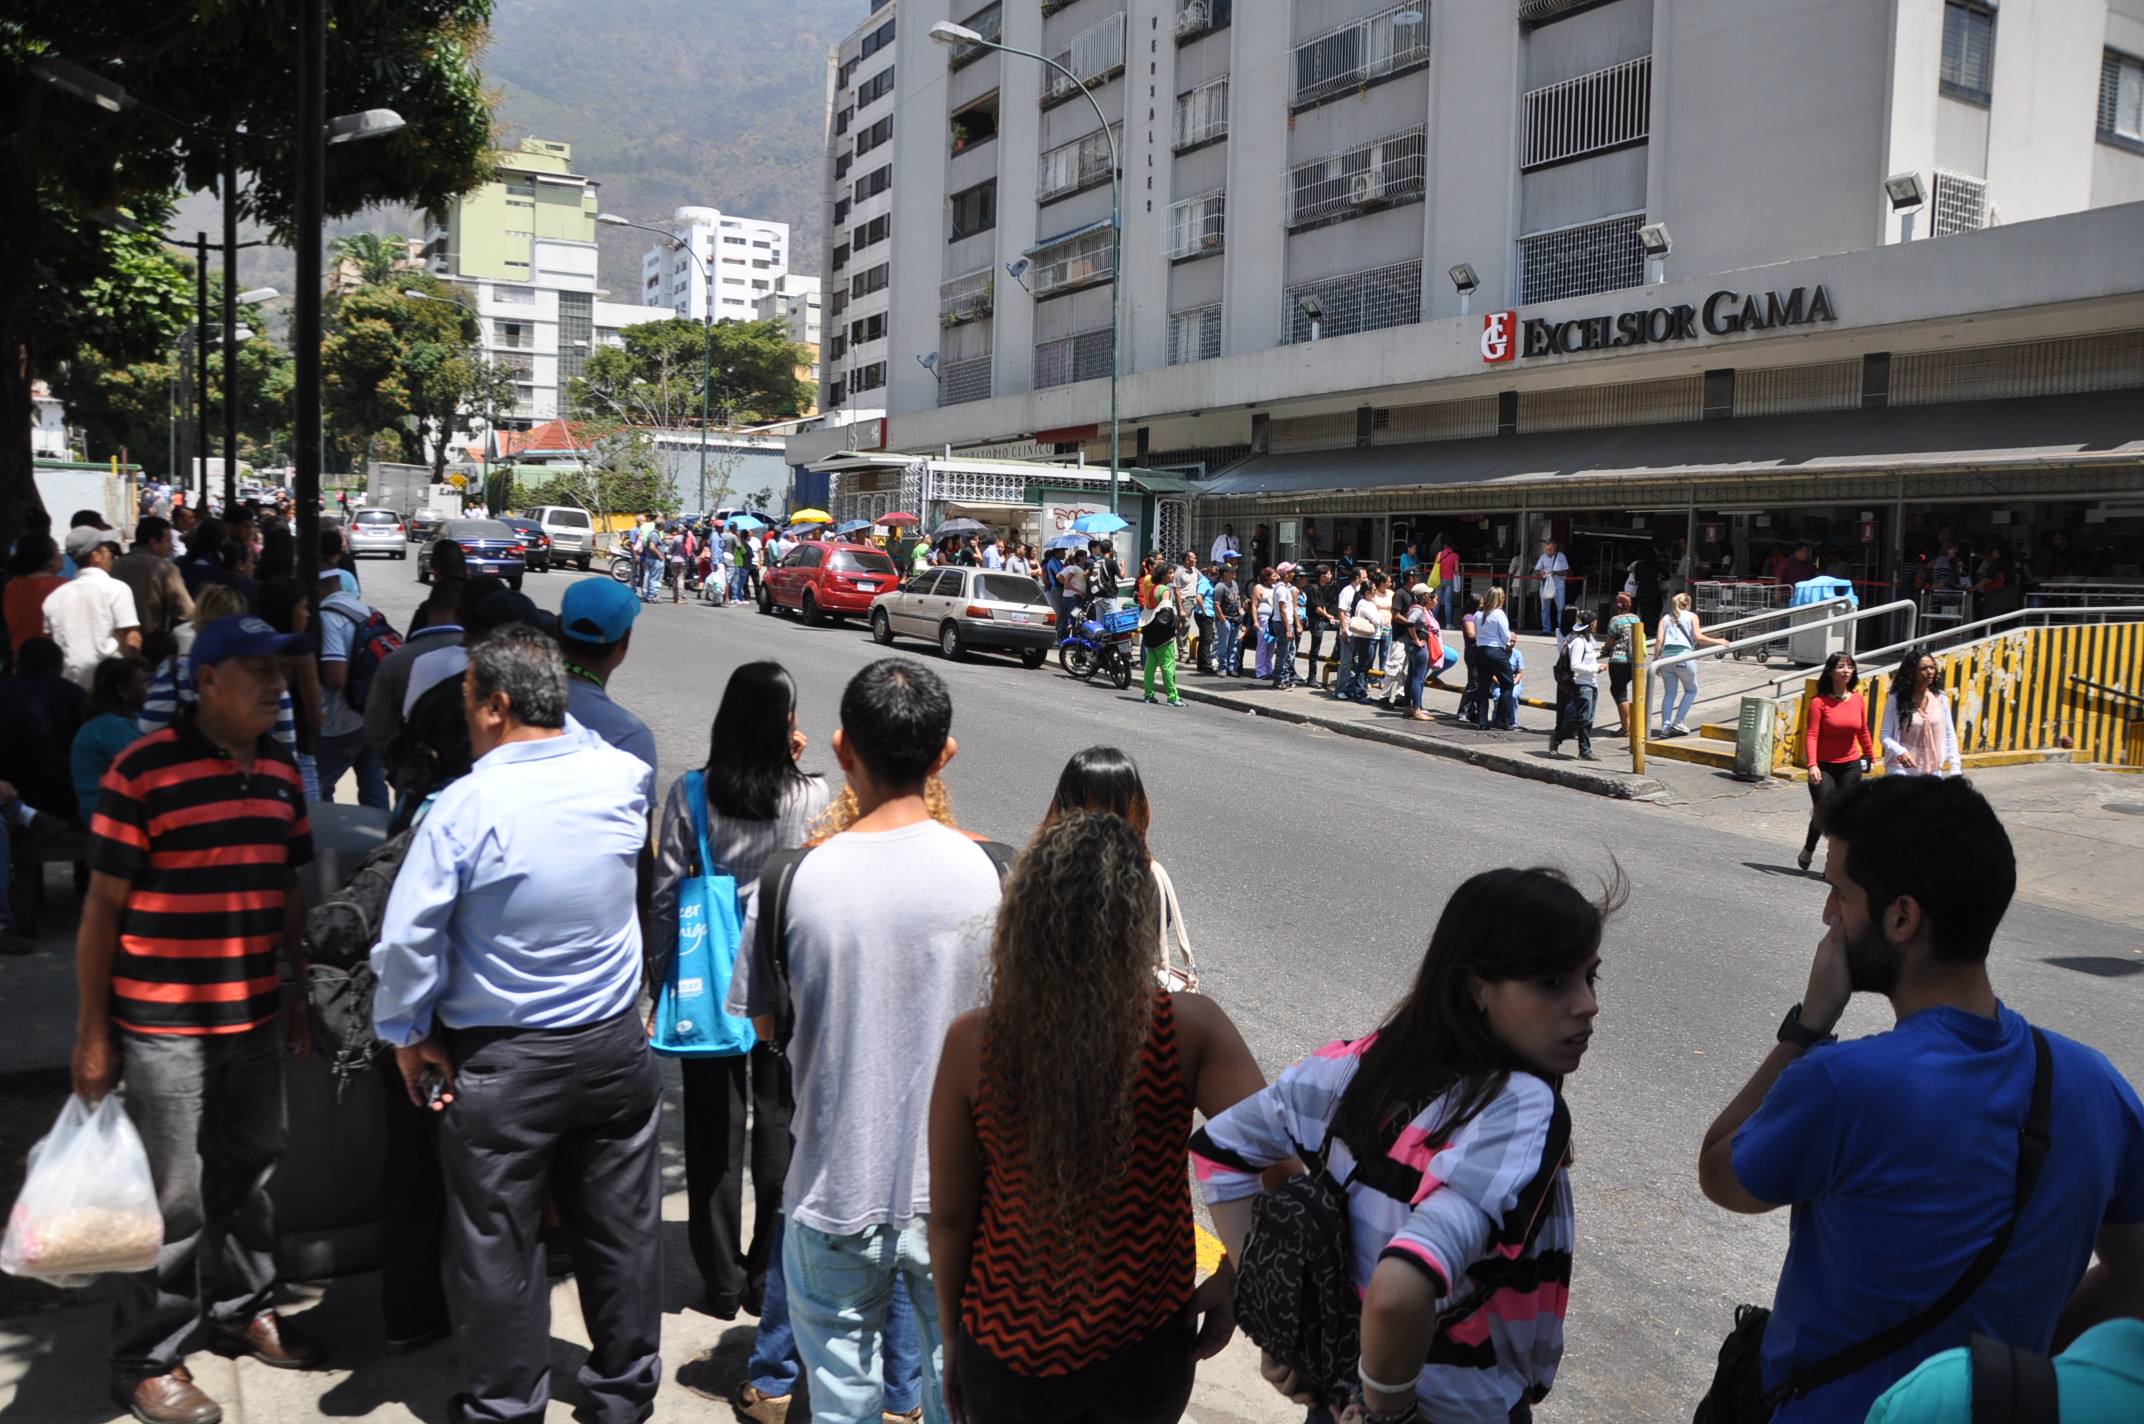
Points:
689	1021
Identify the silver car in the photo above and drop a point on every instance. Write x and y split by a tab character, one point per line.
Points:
968	610
378	531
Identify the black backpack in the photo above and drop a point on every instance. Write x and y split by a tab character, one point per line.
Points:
1161	628
1295	1287
771	932
340	932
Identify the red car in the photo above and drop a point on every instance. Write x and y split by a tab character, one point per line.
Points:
825	580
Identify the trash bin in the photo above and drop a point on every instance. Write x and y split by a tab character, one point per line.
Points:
1818	644
1754	734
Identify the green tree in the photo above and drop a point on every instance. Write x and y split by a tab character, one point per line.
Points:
654	378
408	366
620	472
372	254
211	63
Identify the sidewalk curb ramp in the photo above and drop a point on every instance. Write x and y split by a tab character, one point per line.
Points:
1616	786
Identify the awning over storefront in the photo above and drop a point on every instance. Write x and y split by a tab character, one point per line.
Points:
2082	441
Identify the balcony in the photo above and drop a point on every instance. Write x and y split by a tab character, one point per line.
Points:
1361	180
1094	55
1360	53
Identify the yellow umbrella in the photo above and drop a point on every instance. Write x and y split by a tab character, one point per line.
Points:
811	516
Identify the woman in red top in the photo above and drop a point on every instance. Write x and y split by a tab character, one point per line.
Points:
1837	747
1061	1237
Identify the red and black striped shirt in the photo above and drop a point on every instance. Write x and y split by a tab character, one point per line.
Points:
205	849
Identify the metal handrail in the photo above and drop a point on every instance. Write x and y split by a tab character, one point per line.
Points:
1733	643
1864	661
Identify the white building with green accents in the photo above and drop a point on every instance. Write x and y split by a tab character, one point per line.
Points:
522	251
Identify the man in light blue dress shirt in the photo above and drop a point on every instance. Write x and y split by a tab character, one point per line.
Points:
510	965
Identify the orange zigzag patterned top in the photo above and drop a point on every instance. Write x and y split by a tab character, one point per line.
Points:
1137	1264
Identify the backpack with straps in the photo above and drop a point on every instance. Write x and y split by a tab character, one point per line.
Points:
340	932
770	940
372	641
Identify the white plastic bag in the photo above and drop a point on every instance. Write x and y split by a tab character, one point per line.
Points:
88	1204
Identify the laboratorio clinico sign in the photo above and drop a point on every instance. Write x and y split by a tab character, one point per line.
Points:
1504	336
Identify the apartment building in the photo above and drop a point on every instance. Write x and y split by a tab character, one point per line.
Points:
860	147
795	300
1725	270
749	257
521	250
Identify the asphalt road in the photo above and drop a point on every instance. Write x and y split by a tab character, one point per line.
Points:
1311	869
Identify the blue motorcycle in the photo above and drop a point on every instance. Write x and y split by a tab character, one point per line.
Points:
1101	645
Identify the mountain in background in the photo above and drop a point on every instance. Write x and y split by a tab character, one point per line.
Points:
667	103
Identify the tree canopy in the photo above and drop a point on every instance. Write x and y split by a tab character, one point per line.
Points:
654	378
194	67
408	366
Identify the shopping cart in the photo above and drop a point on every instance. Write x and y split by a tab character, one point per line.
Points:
1741	598
1943	608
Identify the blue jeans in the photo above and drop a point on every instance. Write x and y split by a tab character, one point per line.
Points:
1552	596
1681	676
651	576
840	1293
1225	632
740	584
1497	687
349	752
1355	672
1444	603
774	1366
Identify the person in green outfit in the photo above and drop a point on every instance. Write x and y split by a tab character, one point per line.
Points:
1159	637
2099	1378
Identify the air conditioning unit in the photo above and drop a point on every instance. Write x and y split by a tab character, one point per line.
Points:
1192	18
1367	190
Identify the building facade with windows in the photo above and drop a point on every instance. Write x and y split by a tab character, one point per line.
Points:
862	141
750	258
1533	265
521	252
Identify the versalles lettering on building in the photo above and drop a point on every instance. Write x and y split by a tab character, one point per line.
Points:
1723	314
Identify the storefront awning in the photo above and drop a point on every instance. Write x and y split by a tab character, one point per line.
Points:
2104	430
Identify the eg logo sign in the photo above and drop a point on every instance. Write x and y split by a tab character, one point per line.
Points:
1499	336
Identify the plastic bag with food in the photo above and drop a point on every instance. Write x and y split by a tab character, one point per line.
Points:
88	1204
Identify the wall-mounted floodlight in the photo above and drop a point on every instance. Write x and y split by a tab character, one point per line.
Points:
1314	311
1654	239
367	123
929	363
82	84
1464	278
1905	192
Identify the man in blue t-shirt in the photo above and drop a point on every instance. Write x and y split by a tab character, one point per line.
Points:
1899	1152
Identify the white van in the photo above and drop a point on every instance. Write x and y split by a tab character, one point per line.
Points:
572	531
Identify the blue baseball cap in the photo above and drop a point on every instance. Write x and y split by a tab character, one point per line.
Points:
243	636
598	611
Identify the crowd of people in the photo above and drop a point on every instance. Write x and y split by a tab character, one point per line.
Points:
969	1120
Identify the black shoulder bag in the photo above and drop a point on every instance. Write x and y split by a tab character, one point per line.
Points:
771	933
1738	1395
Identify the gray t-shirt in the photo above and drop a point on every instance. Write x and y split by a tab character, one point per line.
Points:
888	932
591	706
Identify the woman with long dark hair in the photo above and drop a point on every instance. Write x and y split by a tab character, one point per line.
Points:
1107	779
1919	738
1061	1236
1462	1226
1836	747
758	801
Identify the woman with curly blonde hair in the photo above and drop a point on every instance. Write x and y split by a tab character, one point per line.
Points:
1060	1229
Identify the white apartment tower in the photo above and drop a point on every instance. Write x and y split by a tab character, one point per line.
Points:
750	258
859	215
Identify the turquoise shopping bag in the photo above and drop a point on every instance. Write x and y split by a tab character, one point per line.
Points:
689	1021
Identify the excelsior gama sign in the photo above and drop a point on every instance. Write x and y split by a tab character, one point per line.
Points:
1504	336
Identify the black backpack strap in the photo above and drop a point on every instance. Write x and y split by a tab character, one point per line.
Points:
2012	1386
1001	856
771	937
2032	1149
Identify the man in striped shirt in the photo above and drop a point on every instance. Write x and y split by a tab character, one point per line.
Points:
194	851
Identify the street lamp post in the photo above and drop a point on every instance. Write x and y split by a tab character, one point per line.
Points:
707	366
947	33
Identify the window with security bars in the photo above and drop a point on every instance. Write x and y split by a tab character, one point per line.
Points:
1593	113
1172	526
1202	114
966	298
1077	262
1361	52
1196	17
1082	357
1576	261
1198	226
962	381
1076	166
1361	180
1194	335
1961	203
988	23
1094	54
1357	301
2121	97
1968	51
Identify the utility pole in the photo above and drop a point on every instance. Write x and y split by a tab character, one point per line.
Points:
311	145
199	411
230	320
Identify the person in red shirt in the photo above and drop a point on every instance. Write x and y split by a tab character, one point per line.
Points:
1837	747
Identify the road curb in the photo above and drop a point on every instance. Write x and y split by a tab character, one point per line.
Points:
1615	786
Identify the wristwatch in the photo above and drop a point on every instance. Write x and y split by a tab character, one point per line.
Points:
1793	1030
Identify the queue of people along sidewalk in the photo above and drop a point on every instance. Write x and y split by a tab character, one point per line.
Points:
967	1118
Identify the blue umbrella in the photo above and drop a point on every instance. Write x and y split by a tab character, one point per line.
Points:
1067	541
1100	523
746	521
852	526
